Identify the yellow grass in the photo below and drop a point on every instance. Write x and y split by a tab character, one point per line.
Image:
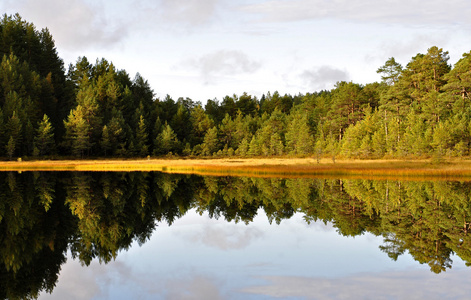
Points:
279	167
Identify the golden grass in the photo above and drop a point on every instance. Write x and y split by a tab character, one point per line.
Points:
266	167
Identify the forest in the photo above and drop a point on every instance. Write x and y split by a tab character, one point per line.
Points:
94	109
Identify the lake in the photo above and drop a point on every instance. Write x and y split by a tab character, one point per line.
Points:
150	235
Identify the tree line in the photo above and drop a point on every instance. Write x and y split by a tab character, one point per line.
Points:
97	110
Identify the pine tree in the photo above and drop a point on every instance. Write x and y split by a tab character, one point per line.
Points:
78	132
201	123
243	148
10	147
348	105
142	147
117	133
13	130
167	141
105	142
298	136
2	132
254	147
82	142
391	71
44	138
210	144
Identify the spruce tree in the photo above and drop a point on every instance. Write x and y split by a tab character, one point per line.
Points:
44	138
141	146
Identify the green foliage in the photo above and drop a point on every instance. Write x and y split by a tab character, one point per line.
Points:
142	148
210	143
44	138
10	147
298	135
366	138
391	71
420	110
269	138
254	147
167	141
78	132
201	123
348	105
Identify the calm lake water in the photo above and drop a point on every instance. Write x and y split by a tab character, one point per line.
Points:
140	235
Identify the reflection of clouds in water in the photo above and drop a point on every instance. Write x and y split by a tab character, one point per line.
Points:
217	234
226	237
192	259
99	281
117	280
393	285
79	282
198	287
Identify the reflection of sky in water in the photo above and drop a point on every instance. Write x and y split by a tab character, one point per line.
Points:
202	258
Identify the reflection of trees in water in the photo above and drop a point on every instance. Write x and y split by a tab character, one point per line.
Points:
95	215
428	219
34	234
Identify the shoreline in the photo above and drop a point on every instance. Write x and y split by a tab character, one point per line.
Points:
276	167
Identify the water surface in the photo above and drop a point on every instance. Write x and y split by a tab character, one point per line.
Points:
159	236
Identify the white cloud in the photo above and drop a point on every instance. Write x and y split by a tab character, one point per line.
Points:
77	24
413	12
323	77
407	48
180	16
190	12
223	63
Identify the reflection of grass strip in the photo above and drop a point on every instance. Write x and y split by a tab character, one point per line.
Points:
378	173
279	167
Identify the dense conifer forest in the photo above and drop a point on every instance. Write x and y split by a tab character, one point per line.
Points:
94	109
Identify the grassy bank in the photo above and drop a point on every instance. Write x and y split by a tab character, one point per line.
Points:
279	167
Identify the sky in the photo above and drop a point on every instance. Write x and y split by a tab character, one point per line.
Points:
207	49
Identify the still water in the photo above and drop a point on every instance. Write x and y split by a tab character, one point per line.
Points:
144	235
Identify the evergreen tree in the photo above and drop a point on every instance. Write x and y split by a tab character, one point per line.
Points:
44	138
210	144
13	131
167	141
254	147
181	122
105	142
391	71
247	105
348	106
200	123
78	137
458	86
117	133
243	148
142	146
298	137
10	147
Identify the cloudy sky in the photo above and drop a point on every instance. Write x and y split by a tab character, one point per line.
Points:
206	49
